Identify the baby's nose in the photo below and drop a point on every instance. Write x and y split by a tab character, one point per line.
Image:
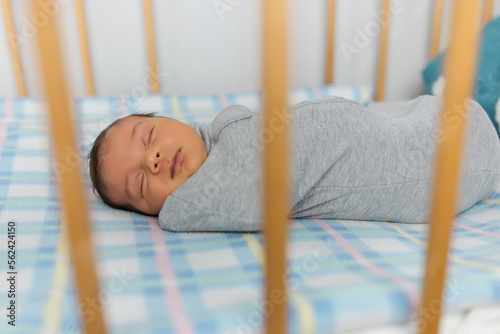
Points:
153	160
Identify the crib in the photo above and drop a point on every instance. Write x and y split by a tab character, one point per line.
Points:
332	277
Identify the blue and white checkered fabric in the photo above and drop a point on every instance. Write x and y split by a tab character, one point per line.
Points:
342	274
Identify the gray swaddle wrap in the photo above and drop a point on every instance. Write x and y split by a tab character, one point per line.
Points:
348	161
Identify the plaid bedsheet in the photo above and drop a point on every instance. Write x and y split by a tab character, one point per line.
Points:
342	274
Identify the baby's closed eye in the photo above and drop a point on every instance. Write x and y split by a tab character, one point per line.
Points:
143	181
150	135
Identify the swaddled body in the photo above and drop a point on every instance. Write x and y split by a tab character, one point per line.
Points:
348	161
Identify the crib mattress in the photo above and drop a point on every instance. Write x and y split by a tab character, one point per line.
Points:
477	319
343	275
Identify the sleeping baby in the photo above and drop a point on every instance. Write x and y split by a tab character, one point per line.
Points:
348	161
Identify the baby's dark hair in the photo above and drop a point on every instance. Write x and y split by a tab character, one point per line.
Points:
95	163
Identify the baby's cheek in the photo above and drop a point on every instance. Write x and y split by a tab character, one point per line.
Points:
160	193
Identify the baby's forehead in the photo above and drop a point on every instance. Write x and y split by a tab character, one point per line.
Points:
121	128
115	129
122	125
126	121
113	142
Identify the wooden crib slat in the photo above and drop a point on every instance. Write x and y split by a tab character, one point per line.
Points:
436	28
330	42
150	39
275	159
73	201
14	48
84	47
488	11
382	53
459	74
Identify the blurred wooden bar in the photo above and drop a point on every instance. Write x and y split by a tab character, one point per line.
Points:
436	28
73	201
151	43
15	56
330	42
275	159
382	52
488	11
459	74
84	47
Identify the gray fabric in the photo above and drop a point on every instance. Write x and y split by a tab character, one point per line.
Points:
349	162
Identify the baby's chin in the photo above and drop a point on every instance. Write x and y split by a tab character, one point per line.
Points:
160	198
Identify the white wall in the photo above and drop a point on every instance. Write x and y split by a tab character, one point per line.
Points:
201	50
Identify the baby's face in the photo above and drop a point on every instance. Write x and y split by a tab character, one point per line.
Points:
144	159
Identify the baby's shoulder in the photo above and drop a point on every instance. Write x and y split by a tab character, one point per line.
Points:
228	116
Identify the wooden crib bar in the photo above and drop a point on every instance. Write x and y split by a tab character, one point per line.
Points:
330	39
73	201
436	28
15	56
459	74
382	53
488	11
84	47
151	44
275	159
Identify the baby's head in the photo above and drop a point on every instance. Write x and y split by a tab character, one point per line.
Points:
139	160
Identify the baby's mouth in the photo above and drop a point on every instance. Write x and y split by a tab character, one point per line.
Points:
175	163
